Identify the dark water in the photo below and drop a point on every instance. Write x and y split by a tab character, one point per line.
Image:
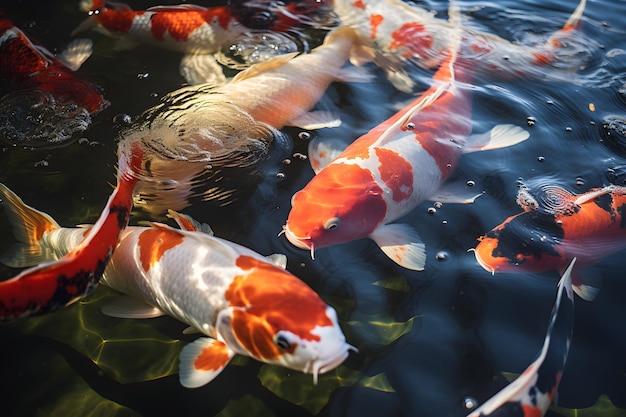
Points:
427	340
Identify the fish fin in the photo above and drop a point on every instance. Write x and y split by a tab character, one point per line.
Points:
501	136
315	120
402	244
191	330
353	74
186	222
270	64
28	226
581	283
202	360
177	8
593	194
76	53
127	307
201	69
277	259
455	193
323	151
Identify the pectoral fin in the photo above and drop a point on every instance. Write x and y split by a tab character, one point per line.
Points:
323	152
501	136
127	307
202	360
75	53
315	120
402	244
455	193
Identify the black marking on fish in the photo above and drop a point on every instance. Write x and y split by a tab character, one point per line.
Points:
531	233
605	202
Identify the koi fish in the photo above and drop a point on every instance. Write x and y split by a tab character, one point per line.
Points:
416	35
53	285
387	172
554	227
199	128
198	32
48	90
244	303
531	394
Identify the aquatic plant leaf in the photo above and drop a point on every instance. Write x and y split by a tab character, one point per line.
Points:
377	382
298	388
395	283
380	329
126	350
243	406
603	407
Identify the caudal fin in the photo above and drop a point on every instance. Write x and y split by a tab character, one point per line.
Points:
29	226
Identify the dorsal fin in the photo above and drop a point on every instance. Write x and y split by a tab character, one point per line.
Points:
261	67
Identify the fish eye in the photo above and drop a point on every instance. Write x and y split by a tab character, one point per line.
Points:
282	342
332	223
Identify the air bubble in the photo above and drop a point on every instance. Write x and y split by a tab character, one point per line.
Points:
441	256
469	403
304	135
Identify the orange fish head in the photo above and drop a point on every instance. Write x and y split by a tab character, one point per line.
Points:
276	318
342	203
527	242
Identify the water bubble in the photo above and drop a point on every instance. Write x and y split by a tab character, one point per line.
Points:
438	204
471	183
531	121
432	210
143	76
541	158
304	135
286	161
300	156
122	119
410	126
469	402
441	256
550	102
580	182
280	175
568	129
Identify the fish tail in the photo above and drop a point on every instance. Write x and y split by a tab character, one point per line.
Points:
549	53
29	226
53	285
573	23
446	71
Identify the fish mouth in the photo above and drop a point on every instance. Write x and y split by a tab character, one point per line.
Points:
323	365
299	242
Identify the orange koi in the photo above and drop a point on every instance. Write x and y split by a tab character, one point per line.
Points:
555	227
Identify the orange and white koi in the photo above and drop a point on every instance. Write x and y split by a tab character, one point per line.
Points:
53	285
243	302
532	393
555	227
387	172
39	76
415	34
199	128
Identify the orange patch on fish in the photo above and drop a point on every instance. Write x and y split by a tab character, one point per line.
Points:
531	411
414	37
396	172
268	299
375	21
153	243
212	358
181	25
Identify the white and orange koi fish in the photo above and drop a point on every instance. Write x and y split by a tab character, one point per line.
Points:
243	302
416	35
387	172
198	32
532	393
54	284
199	128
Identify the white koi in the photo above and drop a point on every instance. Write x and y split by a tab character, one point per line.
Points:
244	303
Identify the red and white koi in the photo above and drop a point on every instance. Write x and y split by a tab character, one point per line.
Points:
53	285
200	127
40	76
555	227
243	302
387	172
532	393
416	35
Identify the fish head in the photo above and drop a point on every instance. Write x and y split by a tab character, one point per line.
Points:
342	203
527	242
276	318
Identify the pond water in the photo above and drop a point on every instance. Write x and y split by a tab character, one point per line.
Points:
428	341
